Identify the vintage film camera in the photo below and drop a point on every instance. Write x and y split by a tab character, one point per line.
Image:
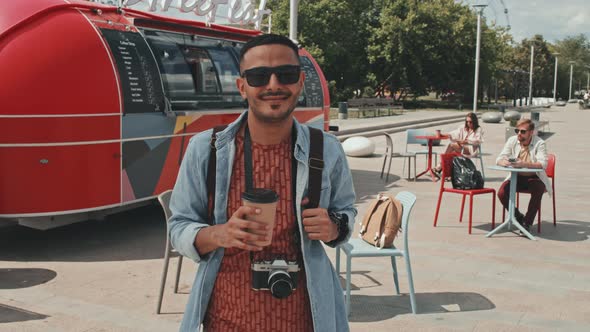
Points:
278	276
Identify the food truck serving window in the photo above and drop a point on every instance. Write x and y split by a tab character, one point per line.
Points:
198	73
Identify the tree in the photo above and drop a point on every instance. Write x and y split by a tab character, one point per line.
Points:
427	45
577	49
542	64
496	53
403	46
335	33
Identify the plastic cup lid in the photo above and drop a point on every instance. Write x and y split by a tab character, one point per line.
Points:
260	195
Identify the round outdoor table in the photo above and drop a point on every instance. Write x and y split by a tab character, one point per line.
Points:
431	139
511	220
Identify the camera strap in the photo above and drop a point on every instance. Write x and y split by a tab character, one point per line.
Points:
315	164
248	172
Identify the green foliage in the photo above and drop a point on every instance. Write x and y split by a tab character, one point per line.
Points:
333	31
542	64
574	49
430	46
415	47
368	92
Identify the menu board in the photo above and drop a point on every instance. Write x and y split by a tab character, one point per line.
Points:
140	79
313	87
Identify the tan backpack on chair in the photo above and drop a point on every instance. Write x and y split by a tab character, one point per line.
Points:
382	221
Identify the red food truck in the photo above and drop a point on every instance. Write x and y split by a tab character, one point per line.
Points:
98	103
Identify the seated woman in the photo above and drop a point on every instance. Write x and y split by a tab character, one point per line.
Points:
465	140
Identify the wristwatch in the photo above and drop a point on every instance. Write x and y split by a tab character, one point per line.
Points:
341	221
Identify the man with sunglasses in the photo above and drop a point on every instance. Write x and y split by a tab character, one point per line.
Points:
525	150
276	150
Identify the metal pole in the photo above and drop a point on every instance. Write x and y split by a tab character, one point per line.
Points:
531	76
555	80
515	84
293	20
496	91
479	9
571	76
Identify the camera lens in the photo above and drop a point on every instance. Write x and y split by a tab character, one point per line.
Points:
280	284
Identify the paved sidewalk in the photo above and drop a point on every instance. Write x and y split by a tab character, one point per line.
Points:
469	282
105	275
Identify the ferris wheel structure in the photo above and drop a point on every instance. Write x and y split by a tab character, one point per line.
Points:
496	10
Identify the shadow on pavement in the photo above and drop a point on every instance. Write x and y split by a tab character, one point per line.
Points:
131	235
23	278
566	230
10	314
545	135
369	281
367	184
366	308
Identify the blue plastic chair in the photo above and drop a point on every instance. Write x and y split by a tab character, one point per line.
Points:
358	248
411	139
479	155
389	155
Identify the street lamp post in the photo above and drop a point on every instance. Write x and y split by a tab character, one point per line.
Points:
294	4
479	9
531	76
555	79
571	77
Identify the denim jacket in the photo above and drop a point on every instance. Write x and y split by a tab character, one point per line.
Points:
189	214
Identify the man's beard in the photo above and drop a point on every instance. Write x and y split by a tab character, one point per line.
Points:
525	141
280	117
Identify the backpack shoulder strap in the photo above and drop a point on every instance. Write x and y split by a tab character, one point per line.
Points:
370	211
316	166
387	216
211	172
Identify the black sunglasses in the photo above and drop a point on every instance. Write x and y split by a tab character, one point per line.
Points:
260	76
521	131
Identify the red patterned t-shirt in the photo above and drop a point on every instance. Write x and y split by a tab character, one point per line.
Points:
234	305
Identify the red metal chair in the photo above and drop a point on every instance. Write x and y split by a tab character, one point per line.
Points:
447	169
550	171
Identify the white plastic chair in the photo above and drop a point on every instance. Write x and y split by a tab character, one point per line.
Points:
389	154
164	199
358	248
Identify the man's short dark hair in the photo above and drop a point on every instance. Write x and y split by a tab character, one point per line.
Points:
268	39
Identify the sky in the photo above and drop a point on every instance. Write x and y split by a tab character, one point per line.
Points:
553	19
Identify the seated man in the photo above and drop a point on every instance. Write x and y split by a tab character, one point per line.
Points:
525	151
